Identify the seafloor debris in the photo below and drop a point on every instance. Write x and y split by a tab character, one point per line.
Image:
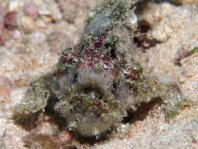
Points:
97	81
39	141
30	9
184	53
10	20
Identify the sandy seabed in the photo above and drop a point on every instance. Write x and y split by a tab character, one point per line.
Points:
24	57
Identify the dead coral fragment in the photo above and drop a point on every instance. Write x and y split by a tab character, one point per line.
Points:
184	53
10	20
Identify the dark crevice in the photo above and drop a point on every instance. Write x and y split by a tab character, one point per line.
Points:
144	26
172	2
113	53
27	122
144	42
141	38
92	140
75	77
55	117
142	111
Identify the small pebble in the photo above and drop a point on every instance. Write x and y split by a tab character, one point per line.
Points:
10	20
2	143
30	9
16	34
2	40
63	138
26	24
50	9
5	86
1	19
38	38
47	19
68	8
41	24
1	24
14	5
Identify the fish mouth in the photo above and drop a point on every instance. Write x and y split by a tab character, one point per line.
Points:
94	110
91	108
91	98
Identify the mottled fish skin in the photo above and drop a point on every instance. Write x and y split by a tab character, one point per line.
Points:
98	80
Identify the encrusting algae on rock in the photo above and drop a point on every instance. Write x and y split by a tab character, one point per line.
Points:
97	81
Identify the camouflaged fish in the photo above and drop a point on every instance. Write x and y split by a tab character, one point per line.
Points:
97	81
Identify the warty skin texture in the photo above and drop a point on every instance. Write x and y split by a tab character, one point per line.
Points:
97	81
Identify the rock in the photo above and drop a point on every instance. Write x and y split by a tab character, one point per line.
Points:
30	9
50	8
26	24
38	38
14	5
68	8
41	24
47	19
10	20
2	40
16	34
63	138
1	24
2	143
1	18
5	86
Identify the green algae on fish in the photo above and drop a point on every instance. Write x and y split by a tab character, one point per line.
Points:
97	81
